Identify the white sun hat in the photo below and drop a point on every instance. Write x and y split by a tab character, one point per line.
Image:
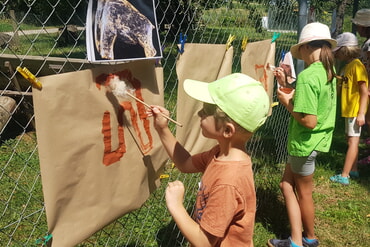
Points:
346	39
311	32
362	18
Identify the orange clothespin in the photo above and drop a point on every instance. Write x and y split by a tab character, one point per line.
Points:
30	77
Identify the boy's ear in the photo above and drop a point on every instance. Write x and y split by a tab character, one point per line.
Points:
229	130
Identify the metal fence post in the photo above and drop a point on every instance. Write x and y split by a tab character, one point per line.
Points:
302	21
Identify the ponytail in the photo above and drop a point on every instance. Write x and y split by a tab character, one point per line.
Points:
326	57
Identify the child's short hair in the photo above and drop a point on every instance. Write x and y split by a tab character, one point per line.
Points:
347	45
349	51
221	118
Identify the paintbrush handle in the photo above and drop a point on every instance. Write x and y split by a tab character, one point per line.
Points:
142	102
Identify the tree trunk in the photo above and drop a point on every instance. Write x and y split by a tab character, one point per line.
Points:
340	18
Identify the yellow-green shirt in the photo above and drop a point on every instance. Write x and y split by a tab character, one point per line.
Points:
313	95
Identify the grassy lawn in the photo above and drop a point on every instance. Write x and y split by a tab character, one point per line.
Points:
342	212
6	25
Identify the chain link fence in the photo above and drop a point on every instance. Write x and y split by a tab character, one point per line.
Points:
48	37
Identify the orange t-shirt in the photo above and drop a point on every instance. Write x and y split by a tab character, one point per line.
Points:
226	200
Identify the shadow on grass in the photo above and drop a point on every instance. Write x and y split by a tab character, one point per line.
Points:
271	212
334	159
170	236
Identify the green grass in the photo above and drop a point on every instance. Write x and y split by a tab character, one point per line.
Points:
6	25
46	45
341	211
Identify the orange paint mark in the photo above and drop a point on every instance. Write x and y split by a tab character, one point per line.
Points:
110	156
264	77
145	148
101	80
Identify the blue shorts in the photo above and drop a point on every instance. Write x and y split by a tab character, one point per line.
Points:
303	166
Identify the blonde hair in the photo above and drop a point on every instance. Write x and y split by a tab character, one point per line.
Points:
349	51
221	118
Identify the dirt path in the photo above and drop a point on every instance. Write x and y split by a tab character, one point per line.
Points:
39	31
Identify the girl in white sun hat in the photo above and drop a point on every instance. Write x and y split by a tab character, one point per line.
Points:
312	106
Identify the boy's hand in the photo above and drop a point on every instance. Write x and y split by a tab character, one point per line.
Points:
160	122
175	195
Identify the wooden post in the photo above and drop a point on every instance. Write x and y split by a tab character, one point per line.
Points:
29	111
7	106
15	31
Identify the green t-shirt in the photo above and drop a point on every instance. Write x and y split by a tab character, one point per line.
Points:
313	95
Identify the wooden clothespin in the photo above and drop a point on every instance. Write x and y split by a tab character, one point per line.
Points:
30	77
229	41
244	43
162	176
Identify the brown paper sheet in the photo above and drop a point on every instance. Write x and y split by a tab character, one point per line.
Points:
254	62
204	62
100	157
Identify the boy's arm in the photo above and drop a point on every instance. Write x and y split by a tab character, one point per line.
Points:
178	154
188	227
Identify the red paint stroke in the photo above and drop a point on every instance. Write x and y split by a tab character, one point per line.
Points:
145	148
111	157
264	77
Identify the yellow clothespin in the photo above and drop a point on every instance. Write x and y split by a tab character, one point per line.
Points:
274	104
229	41
244	43
30	77
164	176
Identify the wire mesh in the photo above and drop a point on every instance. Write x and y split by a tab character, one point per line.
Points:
49	37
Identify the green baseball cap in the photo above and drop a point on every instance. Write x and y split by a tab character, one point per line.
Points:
241	97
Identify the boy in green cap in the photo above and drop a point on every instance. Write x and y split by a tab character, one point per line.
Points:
234	107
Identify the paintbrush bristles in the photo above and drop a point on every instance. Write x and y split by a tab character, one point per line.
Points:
120	88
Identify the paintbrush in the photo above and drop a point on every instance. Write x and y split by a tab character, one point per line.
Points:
122	90
271	67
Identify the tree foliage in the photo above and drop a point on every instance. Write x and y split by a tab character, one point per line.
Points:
176	16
